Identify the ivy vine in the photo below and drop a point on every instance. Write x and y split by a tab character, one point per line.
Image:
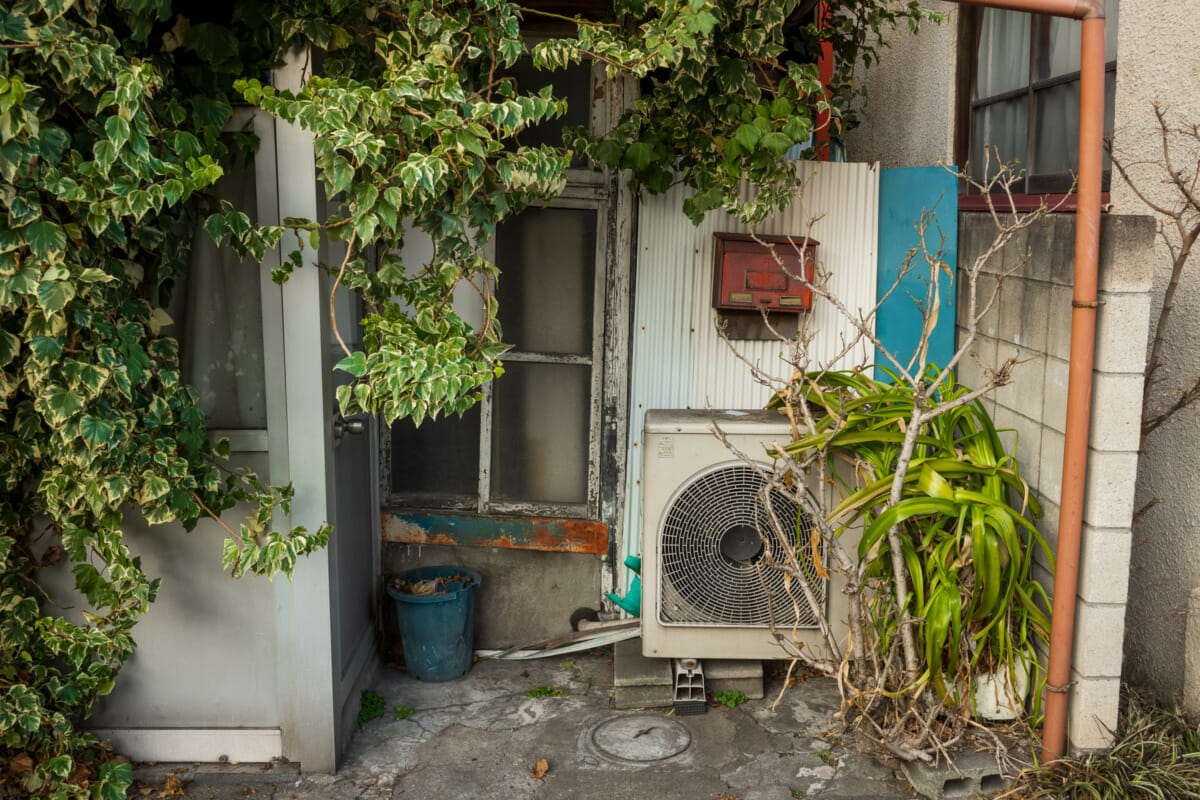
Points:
111	120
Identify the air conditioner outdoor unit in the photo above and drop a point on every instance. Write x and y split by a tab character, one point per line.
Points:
703	595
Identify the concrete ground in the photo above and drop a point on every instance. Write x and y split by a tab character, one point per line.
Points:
483	736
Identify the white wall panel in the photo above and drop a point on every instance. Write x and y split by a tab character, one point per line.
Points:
679	360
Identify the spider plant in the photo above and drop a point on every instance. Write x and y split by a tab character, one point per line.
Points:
964	518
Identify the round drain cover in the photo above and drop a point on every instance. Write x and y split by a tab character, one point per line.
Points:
643	738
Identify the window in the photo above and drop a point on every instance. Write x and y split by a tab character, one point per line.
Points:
533	446
1020	94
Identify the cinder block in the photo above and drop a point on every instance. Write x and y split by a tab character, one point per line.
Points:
1050	472
1058	339
1104	565
726	675
974	230
1007	422
1023	393
1047	523
987	305
1022	437
1012	303
1126	253
1062	250
969	775
981	357
1025	312
631	668
1017	254
1099	636
1122	333
1092	709
1054	402
1039	242
1116	412
1108	496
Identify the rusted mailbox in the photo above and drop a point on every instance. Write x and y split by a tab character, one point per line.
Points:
750	274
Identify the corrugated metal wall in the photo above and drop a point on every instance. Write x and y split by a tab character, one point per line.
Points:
679	360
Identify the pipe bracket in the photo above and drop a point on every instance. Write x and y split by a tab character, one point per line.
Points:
1066	687
1087	303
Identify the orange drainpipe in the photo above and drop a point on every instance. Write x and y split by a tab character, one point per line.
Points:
1083	347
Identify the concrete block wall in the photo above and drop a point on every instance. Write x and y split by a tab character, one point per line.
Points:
1030	318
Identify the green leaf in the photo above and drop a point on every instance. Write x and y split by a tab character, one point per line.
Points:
776	143
61	404
95	431
105	153
173	190
117	128
10	345
46	238
53	296
747	136
93	275
154	487
355	364
216	227
14	27
639	156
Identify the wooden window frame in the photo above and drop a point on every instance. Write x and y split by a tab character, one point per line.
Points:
607	196
1033	190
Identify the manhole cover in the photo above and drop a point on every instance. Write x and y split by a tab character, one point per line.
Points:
642	739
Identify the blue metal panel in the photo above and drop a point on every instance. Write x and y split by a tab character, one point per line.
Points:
904	194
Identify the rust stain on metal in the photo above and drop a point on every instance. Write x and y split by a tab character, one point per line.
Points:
514	533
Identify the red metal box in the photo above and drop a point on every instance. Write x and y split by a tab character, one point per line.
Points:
749	274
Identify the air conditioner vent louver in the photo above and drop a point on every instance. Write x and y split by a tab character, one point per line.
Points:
710	548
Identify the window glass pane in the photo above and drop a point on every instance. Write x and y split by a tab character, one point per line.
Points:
1056	139
1002	127
438	459
1059	53
217	311
573	84
547	279
540	433
1003	52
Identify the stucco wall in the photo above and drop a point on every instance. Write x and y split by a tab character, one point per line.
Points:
909	97
1158	61
1031	320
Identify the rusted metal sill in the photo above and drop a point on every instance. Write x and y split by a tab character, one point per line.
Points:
514	533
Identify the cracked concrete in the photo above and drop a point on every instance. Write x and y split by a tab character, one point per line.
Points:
481	737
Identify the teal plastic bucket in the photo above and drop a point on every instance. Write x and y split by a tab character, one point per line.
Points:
437	630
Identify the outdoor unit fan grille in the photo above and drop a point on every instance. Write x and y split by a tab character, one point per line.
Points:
707	575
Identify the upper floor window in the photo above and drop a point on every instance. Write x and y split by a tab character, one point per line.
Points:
1020	94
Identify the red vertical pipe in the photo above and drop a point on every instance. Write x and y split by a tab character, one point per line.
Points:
825	72
1079	385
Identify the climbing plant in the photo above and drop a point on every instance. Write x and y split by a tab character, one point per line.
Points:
112	115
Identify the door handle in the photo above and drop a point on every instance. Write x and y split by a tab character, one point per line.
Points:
343	426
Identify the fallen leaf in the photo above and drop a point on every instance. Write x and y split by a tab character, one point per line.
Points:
540	768
21	764
145	790
79	776
172	787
